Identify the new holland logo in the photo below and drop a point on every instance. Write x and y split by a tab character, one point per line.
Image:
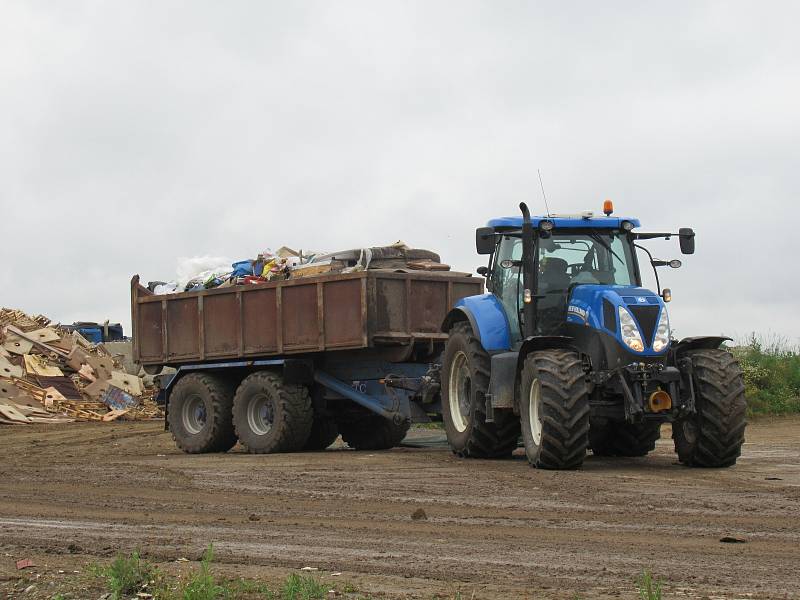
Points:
579	312
641	299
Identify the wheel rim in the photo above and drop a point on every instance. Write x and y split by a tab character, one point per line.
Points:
193	415
260	415
534	412
460	392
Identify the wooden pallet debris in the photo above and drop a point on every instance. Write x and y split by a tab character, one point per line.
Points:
49	374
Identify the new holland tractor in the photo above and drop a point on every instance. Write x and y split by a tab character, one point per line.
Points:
569	350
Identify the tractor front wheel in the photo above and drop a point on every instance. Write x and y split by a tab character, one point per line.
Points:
554	409
713	437
465	383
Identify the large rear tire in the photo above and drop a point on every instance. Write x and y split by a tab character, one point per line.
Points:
465	382
554	409
713	437
270	415
625	439
374	433
199	414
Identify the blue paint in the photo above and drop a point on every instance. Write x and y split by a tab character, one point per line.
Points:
490	317
588	300
566	222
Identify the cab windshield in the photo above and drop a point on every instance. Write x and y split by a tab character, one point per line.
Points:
585	258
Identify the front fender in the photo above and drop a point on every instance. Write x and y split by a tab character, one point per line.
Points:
706	342
487	318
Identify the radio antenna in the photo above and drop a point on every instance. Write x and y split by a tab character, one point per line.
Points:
543	194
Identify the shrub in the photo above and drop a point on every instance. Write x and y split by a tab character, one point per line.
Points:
771	368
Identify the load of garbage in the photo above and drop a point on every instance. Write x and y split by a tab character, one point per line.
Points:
50	373
211	272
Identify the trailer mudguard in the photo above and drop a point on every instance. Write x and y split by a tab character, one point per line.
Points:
488	320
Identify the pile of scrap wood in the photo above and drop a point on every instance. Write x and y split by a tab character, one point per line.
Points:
50	375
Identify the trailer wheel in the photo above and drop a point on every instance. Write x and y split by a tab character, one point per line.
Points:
270	415
625	439
200	414
465	382
374	433
713	437
323	433
554	409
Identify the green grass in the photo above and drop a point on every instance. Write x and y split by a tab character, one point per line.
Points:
303	587
648	588
127	575
771	367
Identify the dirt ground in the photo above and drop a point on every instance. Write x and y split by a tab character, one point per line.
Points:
74	495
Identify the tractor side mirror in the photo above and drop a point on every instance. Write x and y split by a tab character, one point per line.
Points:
484	240
686	237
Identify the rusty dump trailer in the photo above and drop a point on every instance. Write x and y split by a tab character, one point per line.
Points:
289	365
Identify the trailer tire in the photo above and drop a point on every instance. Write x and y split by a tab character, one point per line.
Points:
374	433
324	432
200	414
554	409
465	382
713	437
270	415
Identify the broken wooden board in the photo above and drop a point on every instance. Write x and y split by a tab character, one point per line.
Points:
96	388
130	383
113	415
34	391
63	384
45	335
35	365
77	357
16	345
8	389
9	412
9	370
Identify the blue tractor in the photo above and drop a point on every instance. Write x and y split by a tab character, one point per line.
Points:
570	351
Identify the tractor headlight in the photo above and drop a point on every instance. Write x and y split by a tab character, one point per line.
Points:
630	330
661	338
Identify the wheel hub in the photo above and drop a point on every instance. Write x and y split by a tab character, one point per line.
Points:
535	411
260	414
460	392
194	415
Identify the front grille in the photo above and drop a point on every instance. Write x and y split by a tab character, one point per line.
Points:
647	316
609	315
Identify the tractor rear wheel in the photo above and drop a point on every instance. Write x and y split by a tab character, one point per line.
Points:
713	437
199	414
554	409
324	432
374	433
465	382
270	415
625	439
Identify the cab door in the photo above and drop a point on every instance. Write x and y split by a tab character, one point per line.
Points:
507	284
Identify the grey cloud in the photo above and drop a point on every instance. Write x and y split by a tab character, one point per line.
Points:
136	133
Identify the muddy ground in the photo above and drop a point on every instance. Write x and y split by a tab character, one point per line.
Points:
75	495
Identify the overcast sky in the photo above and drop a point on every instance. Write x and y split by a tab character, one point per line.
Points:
135	133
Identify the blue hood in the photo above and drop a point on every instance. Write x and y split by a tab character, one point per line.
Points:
597	306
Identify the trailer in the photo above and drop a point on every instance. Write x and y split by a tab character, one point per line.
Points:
289	365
